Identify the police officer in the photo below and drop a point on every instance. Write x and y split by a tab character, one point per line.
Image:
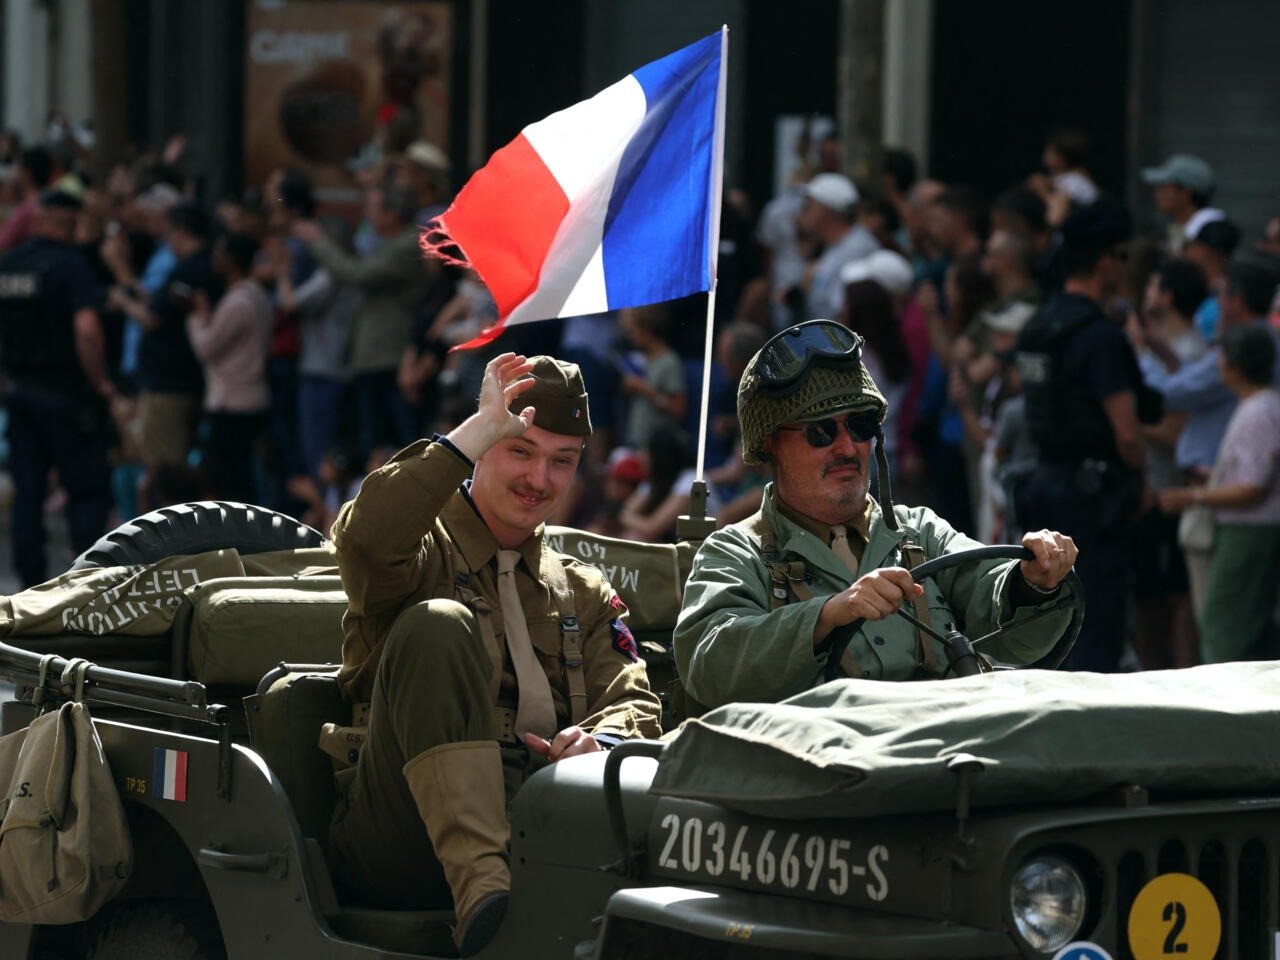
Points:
1085	403
484	654
53	354
768	597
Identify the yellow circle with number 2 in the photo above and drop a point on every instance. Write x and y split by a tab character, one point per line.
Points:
1174	918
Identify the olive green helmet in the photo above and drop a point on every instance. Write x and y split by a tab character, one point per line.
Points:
821	391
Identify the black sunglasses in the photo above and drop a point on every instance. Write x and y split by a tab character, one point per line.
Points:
786	358
822	433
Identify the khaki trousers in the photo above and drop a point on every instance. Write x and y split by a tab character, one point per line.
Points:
431	688
1197	578
167	425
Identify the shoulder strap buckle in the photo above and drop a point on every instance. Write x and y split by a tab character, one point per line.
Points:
570	633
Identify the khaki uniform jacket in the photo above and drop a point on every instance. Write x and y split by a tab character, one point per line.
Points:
731	646
411	535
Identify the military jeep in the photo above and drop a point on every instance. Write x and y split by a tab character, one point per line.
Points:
1014	814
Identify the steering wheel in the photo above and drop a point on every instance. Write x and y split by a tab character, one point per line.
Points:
960	650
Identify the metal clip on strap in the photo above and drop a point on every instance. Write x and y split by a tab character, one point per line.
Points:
38	696
73	676
571	647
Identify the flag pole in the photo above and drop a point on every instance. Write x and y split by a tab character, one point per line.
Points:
697	525
707	357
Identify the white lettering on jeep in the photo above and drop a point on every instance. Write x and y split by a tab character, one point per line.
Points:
793	860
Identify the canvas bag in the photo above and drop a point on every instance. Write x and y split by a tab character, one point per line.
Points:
1197	525
1196	528
65	848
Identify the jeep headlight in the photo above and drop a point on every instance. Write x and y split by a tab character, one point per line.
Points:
1047	900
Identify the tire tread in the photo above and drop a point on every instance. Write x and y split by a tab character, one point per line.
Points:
198	527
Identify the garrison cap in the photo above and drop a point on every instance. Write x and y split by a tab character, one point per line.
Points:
559	398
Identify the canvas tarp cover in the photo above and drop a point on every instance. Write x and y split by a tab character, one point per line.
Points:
141	599
857	748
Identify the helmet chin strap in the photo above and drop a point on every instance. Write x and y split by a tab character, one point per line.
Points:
886	488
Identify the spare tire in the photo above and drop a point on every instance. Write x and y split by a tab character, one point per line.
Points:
190	528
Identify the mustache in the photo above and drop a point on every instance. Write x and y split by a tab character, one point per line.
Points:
842	462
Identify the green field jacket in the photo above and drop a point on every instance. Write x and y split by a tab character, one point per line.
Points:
730	645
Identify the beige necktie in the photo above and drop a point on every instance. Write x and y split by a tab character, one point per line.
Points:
840	547
535	709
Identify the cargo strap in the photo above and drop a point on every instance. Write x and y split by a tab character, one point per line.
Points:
39	696
504	723
926	659
570	634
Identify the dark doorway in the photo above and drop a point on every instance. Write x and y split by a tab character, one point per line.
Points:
791	70
1006	71
535	66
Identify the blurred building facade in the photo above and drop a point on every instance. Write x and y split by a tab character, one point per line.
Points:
969	86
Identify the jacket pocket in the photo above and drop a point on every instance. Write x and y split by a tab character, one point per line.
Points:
545	634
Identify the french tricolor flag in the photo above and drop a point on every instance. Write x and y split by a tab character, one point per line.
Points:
613	202
169	775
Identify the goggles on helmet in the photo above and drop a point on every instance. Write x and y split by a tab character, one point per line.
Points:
789	355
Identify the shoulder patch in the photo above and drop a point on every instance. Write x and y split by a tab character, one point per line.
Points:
623	640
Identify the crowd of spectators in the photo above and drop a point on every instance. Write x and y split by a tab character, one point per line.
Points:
268	349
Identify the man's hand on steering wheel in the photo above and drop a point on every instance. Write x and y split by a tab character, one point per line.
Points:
1055	555
873	596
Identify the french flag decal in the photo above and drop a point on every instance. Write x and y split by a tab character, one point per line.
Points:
169	775
612	202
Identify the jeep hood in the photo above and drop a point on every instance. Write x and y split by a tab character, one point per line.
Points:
858	748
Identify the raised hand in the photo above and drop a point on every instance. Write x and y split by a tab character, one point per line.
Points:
504	380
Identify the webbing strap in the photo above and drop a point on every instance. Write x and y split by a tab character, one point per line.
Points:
796	578
73	675
912	556
38	696
789	579
570	635
484	619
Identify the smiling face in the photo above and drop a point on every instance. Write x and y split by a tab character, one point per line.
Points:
518	482
829	484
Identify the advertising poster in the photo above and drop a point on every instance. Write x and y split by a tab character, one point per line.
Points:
329	84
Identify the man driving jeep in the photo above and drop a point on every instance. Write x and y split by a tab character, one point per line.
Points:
768	598
484	654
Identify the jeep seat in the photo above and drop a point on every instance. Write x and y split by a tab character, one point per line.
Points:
285	717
